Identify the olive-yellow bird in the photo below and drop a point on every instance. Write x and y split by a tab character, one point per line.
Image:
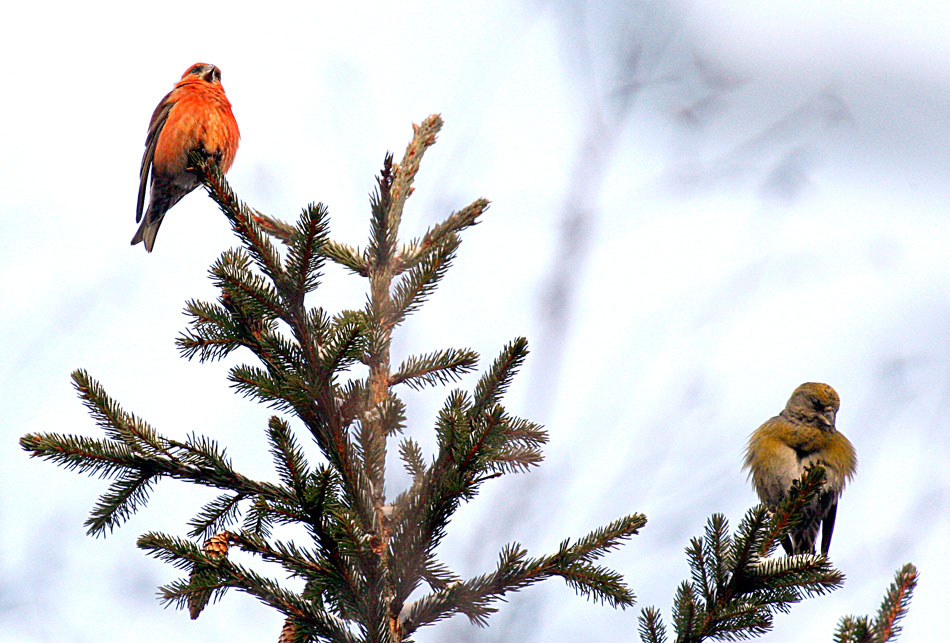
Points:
195	115
802	434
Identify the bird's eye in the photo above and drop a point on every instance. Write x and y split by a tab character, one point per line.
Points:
815	402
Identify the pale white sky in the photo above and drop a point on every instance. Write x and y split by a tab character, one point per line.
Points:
769	206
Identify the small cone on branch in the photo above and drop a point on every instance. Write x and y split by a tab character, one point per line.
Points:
288	634
215	548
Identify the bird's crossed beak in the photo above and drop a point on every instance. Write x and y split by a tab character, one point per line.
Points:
828	418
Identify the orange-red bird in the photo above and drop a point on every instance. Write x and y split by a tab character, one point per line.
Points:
195	115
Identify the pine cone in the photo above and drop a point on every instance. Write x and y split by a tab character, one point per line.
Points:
288	634
216	549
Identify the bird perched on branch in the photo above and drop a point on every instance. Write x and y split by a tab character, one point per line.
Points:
803	434
195	115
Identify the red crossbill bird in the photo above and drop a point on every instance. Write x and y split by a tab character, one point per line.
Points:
195	115
803	434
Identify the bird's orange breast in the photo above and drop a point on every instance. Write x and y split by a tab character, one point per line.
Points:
200	118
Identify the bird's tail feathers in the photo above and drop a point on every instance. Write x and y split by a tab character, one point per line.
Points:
148	230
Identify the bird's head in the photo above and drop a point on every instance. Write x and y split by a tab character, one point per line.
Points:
815	404
205	71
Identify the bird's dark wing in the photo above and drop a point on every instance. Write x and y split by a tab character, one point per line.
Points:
787	545
828	526
159	116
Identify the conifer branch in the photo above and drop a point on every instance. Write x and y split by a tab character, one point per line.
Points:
212	336
493	384
854	629
604	539
885	627
383	233
896	603
438	367
411	454
137	469
515	571
405	173
216	516
297	561
306	254
79	453
185	555
276	228
240	215
345	346
437	575
289	459
366	556
116	423
250	295
259	518
419	249
419	282
347	257
734	592
245	319
121	500
791	510
752	540
651	625
472	448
